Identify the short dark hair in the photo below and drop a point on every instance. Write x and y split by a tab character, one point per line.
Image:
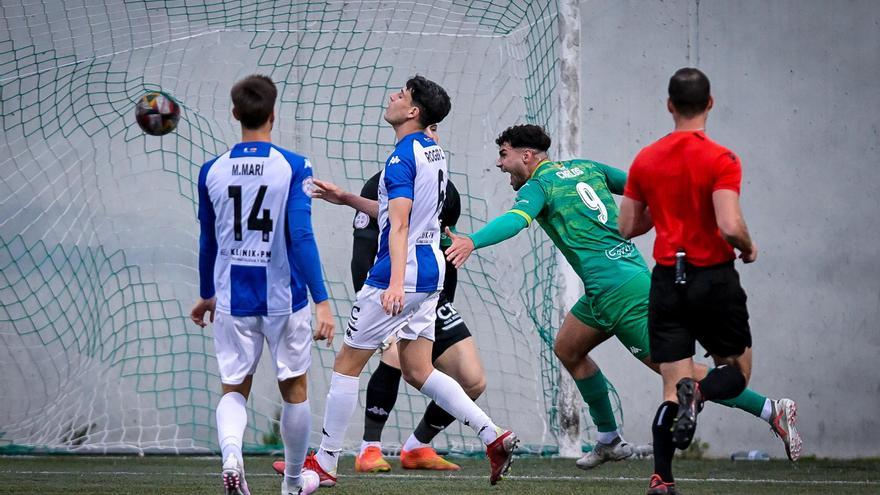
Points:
431	98
525	136
253	100
689	91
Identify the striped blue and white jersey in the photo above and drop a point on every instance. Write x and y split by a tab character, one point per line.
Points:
257	251
415	170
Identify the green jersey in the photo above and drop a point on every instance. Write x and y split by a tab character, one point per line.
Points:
572	202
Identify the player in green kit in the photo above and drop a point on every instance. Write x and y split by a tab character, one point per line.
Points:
572	201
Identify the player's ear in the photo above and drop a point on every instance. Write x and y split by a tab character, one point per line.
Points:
235	114
669	105
272	119
711	103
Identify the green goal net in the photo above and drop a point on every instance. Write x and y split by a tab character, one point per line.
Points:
98	231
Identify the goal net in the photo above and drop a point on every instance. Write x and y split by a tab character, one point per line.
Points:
98	230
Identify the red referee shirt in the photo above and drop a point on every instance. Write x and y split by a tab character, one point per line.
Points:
676	177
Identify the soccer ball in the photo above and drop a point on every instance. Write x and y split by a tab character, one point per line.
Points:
157	113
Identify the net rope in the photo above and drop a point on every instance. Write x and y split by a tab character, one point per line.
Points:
98	235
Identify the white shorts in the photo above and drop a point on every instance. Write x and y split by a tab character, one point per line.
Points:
369	326
238	344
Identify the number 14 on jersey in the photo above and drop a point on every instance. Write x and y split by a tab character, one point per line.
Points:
255	222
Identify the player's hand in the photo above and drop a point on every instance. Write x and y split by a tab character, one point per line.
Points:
749	256
202	306
460	250
326	326
392	300
328	191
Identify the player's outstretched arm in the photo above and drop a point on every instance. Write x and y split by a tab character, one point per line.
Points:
332	193
460	250
500	229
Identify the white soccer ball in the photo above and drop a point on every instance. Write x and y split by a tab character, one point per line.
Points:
311	481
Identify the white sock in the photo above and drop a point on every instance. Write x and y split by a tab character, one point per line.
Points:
413	443
767	412
231	421
296	424
607	437
449	395
365	445
341	403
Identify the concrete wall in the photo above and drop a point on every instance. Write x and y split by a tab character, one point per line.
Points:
796	92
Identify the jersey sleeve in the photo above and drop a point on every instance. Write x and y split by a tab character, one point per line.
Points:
633	188
529	202
451	207
302	237
371	187
400	176
365	244
449	216
363	253
207	236
364	225
728	172
614	177
500	229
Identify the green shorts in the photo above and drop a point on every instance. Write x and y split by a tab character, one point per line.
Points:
622	312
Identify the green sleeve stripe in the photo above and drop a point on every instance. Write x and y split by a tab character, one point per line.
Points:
522	214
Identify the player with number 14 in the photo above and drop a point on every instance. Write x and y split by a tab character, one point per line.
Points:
257	257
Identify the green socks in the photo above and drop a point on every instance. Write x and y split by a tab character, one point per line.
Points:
594	390
749	401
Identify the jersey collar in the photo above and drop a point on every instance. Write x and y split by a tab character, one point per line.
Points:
411	136
539	167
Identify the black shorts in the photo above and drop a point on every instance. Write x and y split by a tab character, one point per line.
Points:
449	329
709	309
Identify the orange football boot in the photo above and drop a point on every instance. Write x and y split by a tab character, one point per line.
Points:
371	461
426	458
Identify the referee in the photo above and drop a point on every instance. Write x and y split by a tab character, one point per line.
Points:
687	187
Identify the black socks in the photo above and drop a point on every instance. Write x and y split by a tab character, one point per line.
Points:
381	396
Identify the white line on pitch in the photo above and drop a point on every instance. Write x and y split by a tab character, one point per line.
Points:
472	477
